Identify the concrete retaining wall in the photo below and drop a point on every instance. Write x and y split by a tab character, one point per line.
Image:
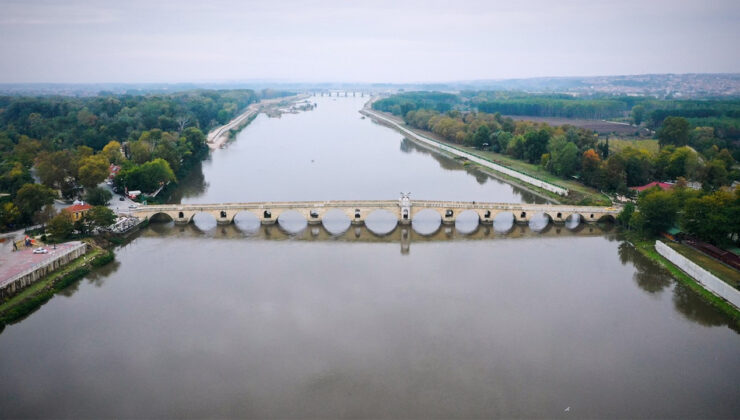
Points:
35	273
705	278
488	164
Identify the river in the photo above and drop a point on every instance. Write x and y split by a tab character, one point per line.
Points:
456	322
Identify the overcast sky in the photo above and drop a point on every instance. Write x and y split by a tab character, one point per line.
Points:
361	41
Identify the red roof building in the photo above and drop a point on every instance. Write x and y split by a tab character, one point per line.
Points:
661	185
78	210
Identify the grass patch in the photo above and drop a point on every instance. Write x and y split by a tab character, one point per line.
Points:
34	296
647	248
616	145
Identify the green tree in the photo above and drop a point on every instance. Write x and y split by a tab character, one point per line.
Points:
515	147
713	175
564	157
638	166
675	131
93	170
638	114
100	216
195	139
625	216
482	137
167	149
61	226
26	150
725	156
615	175
13	175
658	211
32	197
591	168
147	177
535	144
141	151
43	216
683	162
97	196
503	138
112	152
712	218
54	168
9	214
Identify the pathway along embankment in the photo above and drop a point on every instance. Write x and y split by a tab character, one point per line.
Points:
527	179
220	135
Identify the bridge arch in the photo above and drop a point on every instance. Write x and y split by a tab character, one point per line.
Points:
467	222
606	218
247	221
426	222
573	221
504	222
538	222
161	217
203	220
381	222
292	221
336	222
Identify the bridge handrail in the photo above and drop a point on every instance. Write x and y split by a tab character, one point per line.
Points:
375	204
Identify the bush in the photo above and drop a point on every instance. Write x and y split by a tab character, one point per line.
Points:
103	259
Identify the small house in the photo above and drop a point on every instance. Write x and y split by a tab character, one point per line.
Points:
78	210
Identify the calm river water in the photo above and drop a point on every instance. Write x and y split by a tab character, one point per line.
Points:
243	321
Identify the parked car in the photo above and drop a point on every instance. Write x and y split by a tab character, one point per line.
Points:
133	206
40	251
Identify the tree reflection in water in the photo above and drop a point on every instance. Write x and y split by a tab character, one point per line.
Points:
192	185
653	278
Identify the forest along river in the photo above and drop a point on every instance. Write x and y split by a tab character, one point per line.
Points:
211	321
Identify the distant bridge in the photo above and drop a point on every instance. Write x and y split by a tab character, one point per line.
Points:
403	209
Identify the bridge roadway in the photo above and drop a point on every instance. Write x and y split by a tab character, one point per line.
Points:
357	211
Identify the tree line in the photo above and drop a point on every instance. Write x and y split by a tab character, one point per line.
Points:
694	153
70	143
709	216
722	116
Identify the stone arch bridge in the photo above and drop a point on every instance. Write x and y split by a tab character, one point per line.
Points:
357	211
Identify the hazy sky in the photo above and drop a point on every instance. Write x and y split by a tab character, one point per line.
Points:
365	41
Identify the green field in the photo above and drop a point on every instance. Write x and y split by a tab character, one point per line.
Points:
617	144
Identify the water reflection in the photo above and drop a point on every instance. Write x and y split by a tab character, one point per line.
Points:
381	228
193	185
655	279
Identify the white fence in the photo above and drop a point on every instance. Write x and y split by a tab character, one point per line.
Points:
704	277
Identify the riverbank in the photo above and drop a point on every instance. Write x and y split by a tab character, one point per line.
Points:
522	174
34	296
647	248
220	135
